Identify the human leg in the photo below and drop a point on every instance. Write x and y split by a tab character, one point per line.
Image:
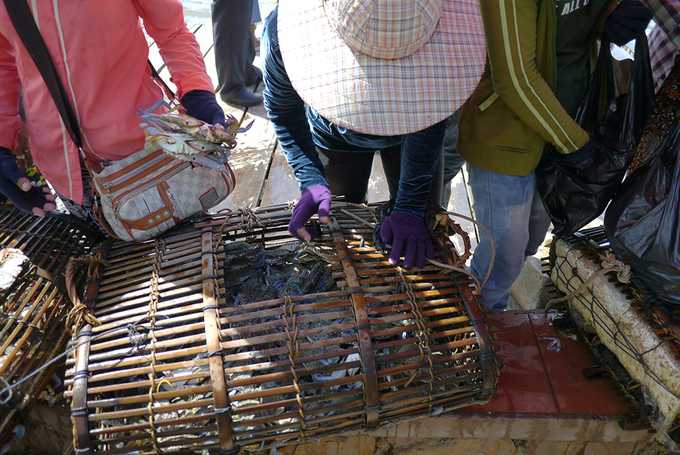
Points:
539	224
253	73
347	173
234	50
503	203
453	161
391	163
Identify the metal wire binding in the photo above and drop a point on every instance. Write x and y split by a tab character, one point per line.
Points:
6	390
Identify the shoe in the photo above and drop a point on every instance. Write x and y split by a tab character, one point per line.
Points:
254	76
241	97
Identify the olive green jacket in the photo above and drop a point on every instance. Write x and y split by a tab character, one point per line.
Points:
513	113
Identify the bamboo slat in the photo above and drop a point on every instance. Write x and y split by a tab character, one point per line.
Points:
34	308
184	361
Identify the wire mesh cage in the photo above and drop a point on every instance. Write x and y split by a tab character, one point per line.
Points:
230	334
33	302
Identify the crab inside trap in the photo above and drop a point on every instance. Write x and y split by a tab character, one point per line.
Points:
231	334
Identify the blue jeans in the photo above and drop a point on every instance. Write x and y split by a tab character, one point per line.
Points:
512	209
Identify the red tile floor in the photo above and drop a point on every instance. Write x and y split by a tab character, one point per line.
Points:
542	373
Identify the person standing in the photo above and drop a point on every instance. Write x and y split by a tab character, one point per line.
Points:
378	76
235	51
539	55
453	161
107	96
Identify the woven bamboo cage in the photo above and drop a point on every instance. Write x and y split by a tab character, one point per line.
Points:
189	358
34	306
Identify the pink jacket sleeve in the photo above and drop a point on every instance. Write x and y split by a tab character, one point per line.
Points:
164	22
10	122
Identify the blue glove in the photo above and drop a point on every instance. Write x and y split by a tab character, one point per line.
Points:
18	188
202	104
627	22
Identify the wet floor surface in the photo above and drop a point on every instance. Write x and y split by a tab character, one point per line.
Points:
543	372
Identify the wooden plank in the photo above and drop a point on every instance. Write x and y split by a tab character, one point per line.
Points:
253	155
250	161
281	186
221	405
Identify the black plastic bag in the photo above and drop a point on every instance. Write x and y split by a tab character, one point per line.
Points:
643	222
575	197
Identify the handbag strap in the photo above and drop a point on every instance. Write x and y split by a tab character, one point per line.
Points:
24	23
22	18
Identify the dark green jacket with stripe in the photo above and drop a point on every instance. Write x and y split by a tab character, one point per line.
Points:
514	112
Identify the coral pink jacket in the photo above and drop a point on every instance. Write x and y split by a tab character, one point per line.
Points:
100	52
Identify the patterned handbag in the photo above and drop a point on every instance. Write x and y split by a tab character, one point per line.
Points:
150	191
153	190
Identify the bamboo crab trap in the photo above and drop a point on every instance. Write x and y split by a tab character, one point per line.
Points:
33	303
231	335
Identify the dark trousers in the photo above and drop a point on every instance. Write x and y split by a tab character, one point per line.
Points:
234	42
453	160
348	172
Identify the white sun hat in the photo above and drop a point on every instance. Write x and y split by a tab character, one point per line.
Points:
382	67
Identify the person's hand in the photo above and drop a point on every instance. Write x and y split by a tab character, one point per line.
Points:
202	105
18	188
627	22
314	199
583	157
408	236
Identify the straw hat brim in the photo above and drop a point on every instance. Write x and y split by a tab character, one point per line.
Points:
376	96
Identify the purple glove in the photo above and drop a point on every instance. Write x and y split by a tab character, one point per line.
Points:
202	105
407	234
314	199
17	187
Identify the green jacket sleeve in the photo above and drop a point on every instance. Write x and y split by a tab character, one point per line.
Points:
511	42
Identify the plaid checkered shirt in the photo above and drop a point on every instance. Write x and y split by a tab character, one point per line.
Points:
667	15
663	53
664	39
